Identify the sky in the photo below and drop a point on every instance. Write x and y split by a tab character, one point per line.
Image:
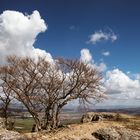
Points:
104	33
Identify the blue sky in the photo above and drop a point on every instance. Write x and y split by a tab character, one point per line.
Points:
87	16
72	22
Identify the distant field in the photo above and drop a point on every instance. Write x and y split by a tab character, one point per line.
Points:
24	125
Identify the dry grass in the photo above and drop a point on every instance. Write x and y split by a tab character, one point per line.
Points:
74	131
84	131
131	122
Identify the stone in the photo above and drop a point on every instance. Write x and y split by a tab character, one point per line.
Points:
91	116
87	117
11	135
1	123
116	133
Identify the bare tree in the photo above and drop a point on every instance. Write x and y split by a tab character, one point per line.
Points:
5	101
21	76
69	80
50	87
42	86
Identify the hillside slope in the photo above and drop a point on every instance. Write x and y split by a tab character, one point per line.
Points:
124	128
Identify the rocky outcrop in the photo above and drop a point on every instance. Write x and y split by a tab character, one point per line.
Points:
11	135
1	123
116	133
91	116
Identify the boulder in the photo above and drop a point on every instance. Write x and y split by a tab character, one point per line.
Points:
116	133
91	116
11	135
1	123
87	117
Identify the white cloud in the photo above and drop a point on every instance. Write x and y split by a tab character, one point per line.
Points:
107	53
134	75
18	33
121	85
99	36
101	66
137	76
86	57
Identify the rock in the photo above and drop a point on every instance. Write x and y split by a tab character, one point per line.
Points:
87	117
91	116
107	134
97	117
11	135
1	123
116	133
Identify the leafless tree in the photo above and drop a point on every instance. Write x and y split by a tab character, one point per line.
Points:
21	76
69	80
5	101
42	86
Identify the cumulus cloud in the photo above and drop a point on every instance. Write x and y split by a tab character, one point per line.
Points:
86	57
138	76
121	86
118	85
101	66
18	33
99	36
106	53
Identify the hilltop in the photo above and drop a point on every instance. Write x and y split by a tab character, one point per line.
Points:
124	127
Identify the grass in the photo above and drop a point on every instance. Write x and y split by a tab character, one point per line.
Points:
24	125
131	122
70	121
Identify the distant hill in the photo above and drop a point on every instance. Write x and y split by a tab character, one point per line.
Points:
131	111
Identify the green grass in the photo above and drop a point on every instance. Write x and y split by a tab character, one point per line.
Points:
24	125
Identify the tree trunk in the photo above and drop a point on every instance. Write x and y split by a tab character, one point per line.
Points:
57	117
5	113
52	120
36	119
47	119
6	121
37	123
